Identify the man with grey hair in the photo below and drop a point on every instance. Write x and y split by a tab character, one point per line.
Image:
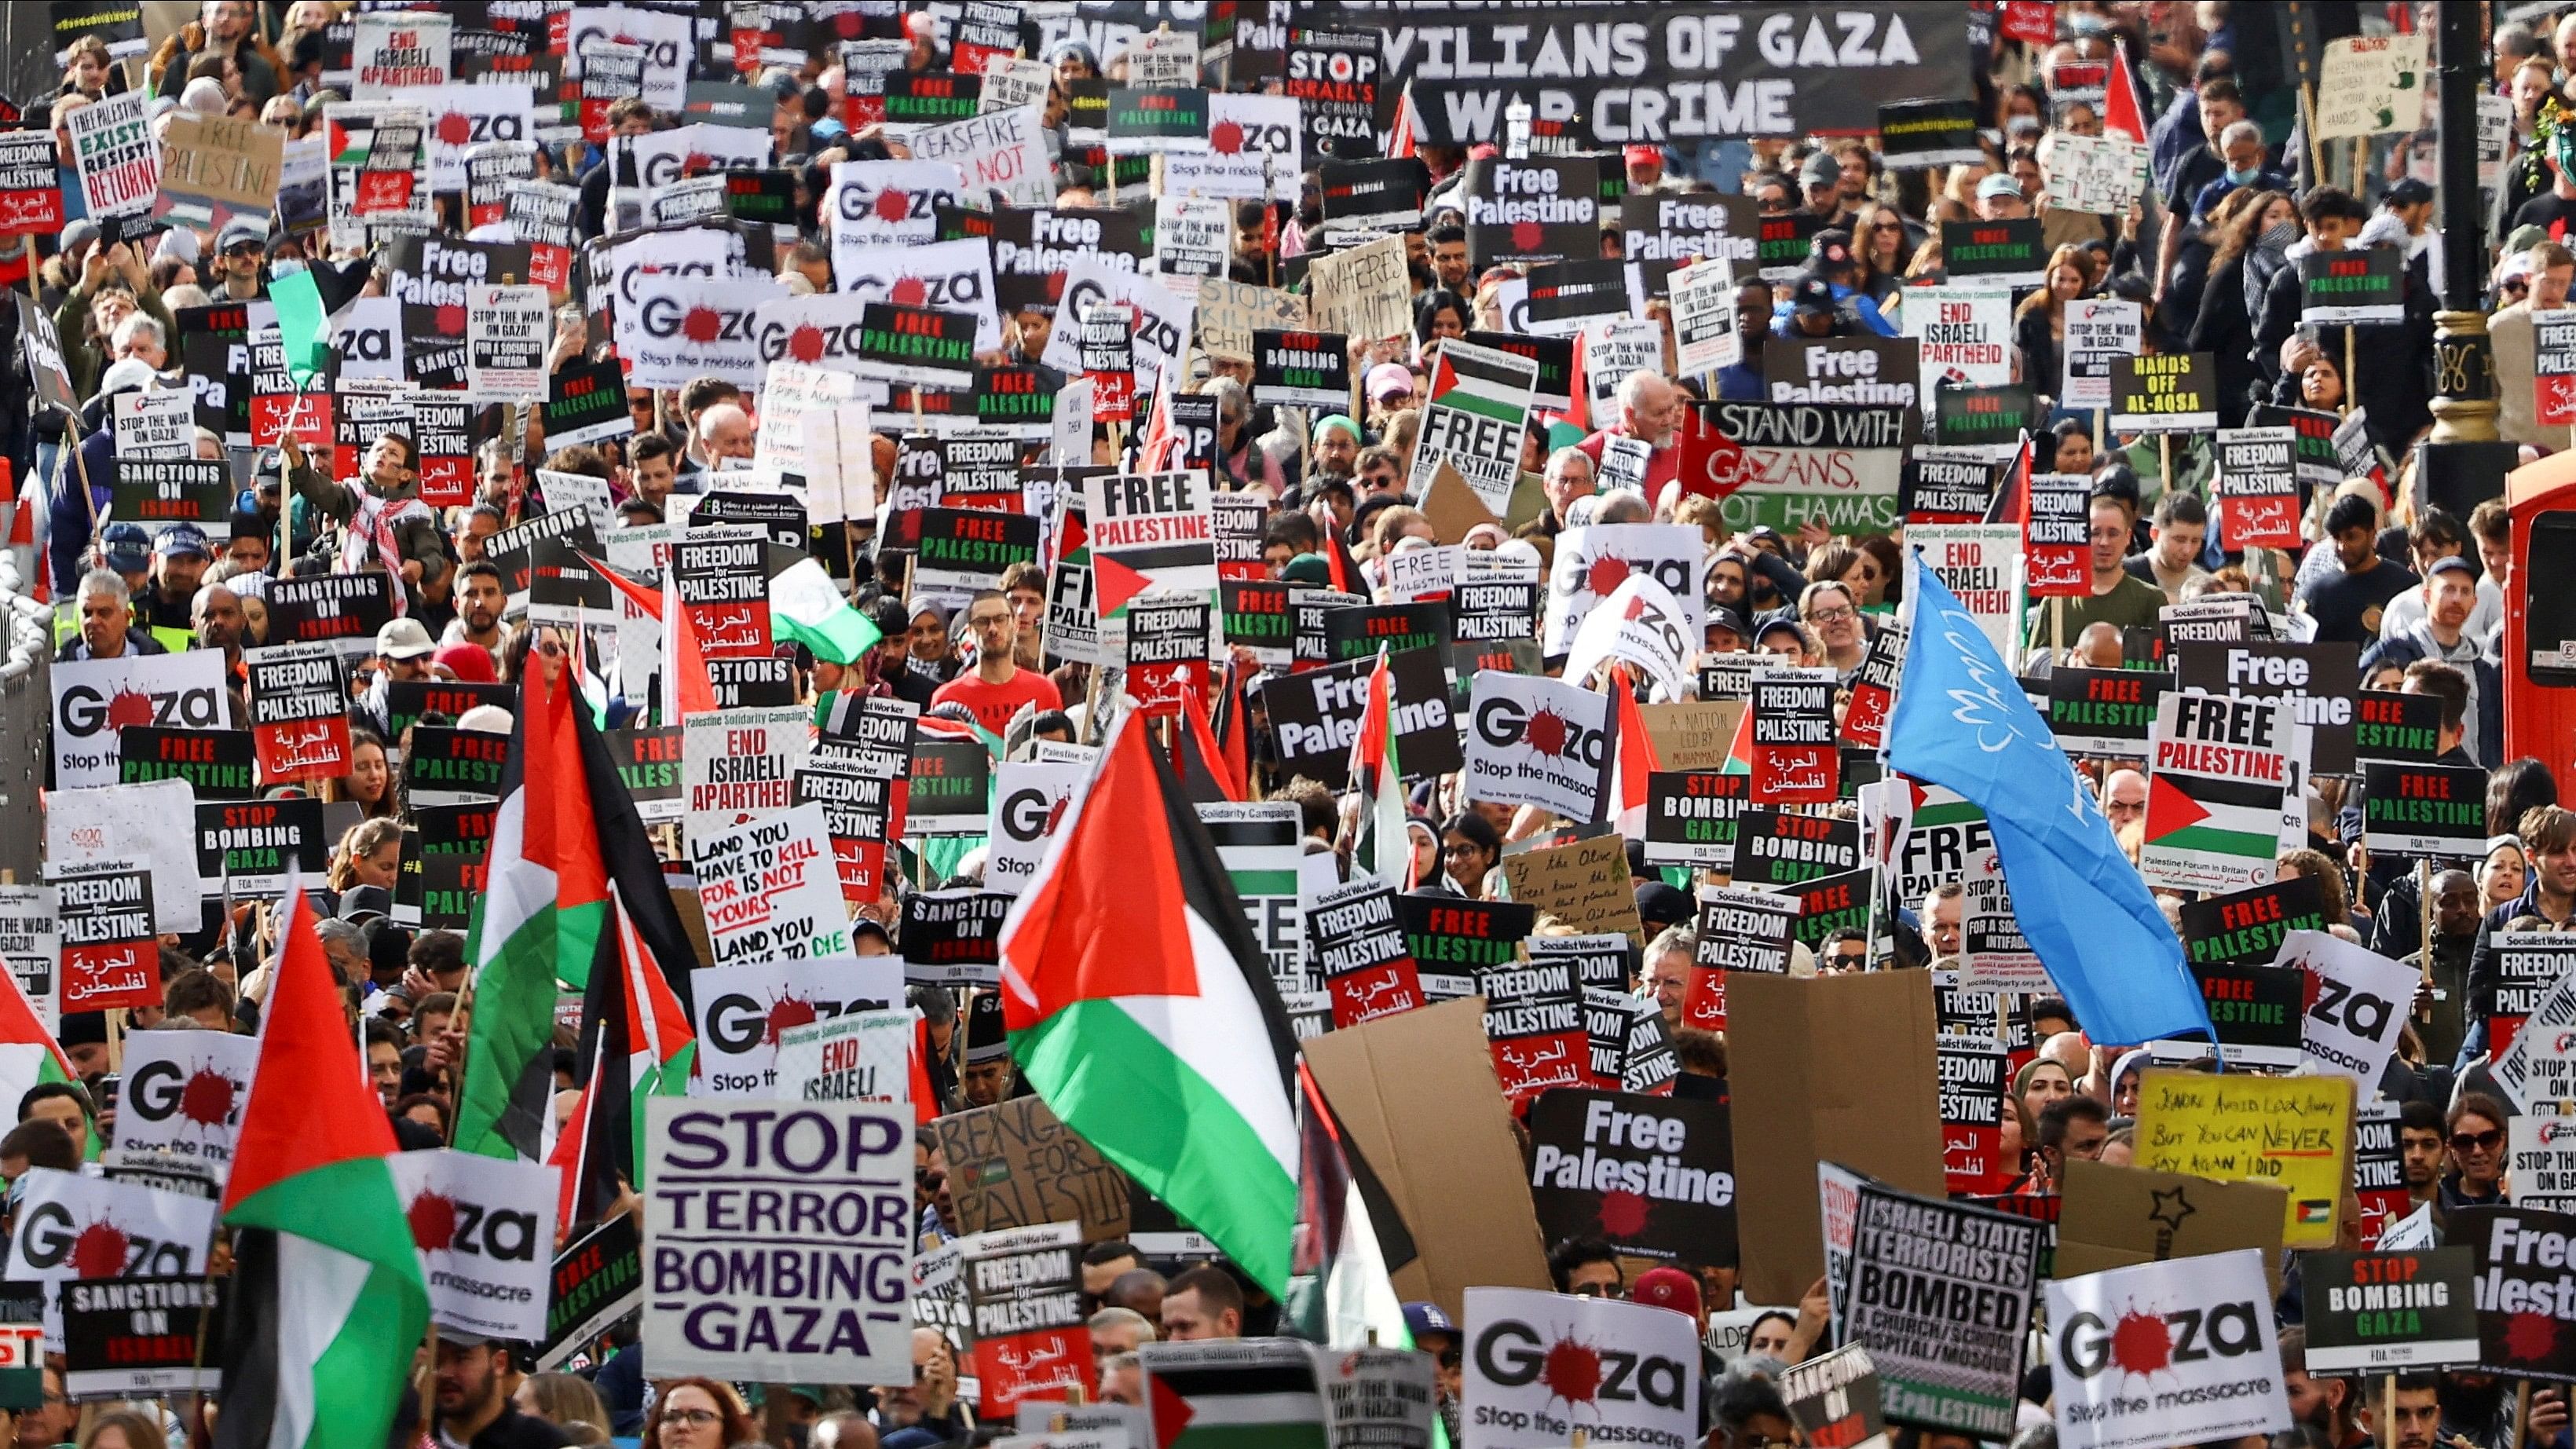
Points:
1115	1331
140	336
1650	411
2240	145
723	431
106	622
1569	476
1668	970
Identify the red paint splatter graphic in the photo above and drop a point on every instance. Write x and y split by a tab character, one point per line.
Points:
702	324
783	1013
100	1251
696	163
129	708
1605	575
1636	608
1572	1371
2530	1337
455	129
1547	732
2311	986
805	344
1526	236
433	1222
207	1100
909	292
893	205
1226	139
1055	814
451	320
2140	1343
1623	1213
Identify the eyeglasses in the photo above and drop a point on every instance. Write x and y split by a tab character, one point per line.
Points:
692	1417
989	621
1833	615
2487	1141
1894	226
1461	847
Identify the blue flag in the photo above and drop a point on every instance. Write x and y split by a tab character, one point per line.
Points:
1962	721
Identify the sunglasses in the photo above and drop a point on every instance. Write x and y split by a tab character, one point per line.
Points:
2487	1141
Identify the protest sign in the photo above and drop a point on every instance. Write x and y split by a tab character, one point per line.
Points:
770	890
31	195
71	1226
180	1109
2204	1329
1509	1400
2104	712
2375	1312
131	823
2099	175
2099	332
827	1295
596	1280
2360	285
1301	369
1014	1165
2529	966
1591	562
2525	1289
1963	335
2540	1162
2317	681
1652	1176
485	1228
736	764
1475	421
157	425
1024	1289
1691	817
2553	342
1775	846
507	332
2421	810
1928	133
952	937
115	155
2215	788
1537	741
1940	1296
2355	1003
2248	927
1706	335
1533	1018
740	1012
2002	253
1198	1395
142	1336
216	168
2295	1132
298	711
1359	949
2167	393
1973	1161
1738	930
1794	757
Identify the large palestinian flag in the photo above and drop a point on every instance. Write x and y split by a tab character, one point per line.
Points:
635	1043
565	830
1143	1013
328	1301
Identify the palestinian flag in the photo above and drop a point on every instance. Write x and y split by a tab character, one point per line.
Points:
636	1043
1207	775
567	829
1143	1013
1384	846
29	1055
2120	115
1636	760
1244	1393
328	1302
806	607
686	689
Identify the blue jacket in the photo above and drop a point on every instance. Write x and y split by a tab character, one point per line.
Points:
67	525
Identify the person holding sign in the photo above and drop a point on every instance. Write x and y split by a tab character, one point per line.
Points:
2118	598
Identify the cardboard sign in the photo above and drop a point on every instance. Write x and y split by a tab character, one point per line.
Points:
1651	1175
2520	1289
2225	1381
1948	1328
1887	1126
799	1303
1360	950
2217	779
2377	1312
1584	884
1508	1397
1014	1165
2435	810
2294	1132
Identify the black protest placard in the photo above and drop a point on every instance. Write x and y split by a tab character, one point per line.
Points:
721	587
973	546
930	97
1358	946
1692	817
255	843
1565	293
1973	1083
1653	1176
1851	371
1360	631
779	515
1794	757
948	786
954	937
1532	210
1381	195
1315	715
217	764
1929	133
2395	728
2313	454
1980	417
2245	928
408	701
1301	369
299	712
1455	936
1485	609
2433	810
1334	76
586	403
1534	1023
2107	712
1167	654
2400	1308
1830	903
1256	614
1155	120
2362	285
513	550
448	766
342	610
172	490
1946	485
1780	249
1835	1397
142	1336
860	815
597	1279
2010	252
2525	1289
1781	847
2171	392
1745	930
1940	1296
2259	1012
2320	681
979	468
923	346
445	431
457	829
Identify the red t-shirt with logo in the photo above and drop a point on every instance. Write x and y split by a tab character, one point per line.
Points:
994	704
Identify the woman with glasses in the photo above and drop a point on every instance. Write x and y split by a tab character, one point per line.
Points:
1828	608
2475	1133
1883	249
1470	852
698	1413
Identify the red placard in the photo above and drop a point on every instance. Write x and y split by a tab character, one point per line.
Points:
305	749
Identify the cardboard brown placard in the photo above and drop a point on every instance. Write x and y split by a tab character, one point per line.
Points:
1452	506
1014	1165
2115	1217
1793	1044
693	921
1229	312
1693	734
1585	885
231	161
1416	1095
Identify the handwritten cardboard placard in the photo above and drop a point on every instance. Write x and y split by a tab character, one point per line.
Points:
1584	885
2292	1132
1014	1164
1694	734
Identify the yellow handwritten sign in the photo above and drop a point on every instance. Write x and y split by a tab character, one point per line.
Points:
2290	1132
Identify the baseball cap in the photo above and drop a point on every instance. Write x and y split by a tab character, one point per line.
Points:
1720	616
1666	1288
404	639
867	926
1660	905
126	547
180	540
1812	294
488	719
2450	564
1999	184
1389	377
1820	169
888	615
2409	192
2384	230
1831	247
1424	1317
125	372
1634	154
79	234
241	231
364	903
